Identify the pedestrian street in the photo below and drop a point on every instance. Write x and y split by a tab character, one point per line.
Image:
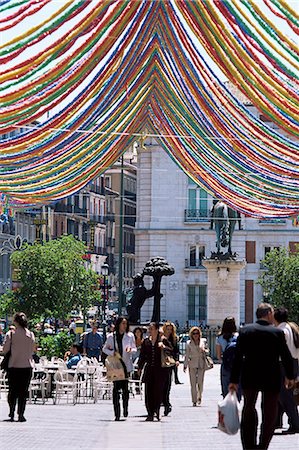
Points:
89	425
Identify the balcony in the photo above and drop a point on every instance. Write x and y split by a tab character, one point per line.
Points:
194	264
60	207
129	221
129	249
130	195
97	189
110	242
96	218
272	221
196	215
110	217
80	211
99	250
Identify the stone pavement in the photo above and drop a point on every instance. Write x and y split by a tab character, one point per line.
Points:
65	426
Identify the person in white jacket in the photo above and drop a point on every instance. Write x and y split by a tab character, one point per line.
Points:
286	398
195	357
121	343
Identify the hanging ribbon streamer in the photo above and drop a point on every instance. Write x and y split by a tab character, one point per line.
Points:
114	69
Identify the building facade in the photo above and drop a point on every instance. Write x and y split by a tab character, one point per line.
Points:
173	221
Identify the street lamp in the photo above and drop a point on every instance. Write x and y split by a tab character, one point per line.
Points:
104	272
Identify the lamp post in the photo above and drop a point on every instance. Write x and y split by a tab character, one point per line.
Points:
104	272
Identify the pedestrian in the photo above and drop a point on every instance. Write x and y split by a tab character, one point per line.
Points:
286	398
195	357
225	350
93	342
169	331
20	342
121	343
138	335
72	327
2	335
48	329
154	375
259	349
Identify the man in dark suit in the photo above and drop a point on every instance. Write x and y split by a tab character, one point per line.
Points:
260	347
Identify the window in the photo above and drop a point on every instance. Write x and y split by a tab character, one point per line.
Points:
197	303
197	202
249	300
108	182
269	249
250	252
197	252
294	247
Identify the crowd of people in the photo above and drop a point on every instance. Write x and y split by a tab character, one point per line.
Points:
260	357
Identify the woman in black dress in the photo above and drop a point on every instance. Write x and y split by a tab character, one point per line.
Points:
169	331
154	376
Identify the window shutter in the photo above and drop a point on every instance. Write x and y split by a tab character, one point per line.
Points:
250	252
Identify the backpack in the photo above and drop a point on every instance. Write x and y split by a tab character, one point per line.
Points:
228	355
295	331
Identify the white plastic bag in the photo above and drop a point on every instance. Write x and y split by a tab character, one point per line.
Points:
228	414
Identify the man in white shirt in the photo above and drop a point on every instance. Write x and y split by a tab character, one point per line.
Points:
286	397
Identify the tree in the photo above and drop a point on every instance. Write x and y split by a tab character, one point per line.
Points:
53	280
280	281
157	267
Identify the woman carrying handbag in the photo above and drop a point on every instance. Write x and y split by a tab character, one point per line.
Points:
195	360
121	343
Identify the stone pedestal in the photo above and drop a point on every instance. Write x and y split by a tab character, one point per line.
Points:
223	294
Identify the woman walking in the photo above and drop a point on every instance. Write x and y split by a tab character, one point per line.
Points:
225	348
155	375
20	342
195	360
121	343
169	331
138	335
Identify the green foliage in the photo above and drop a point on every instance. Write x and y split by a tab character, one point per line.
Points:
281	280
55	345
54	280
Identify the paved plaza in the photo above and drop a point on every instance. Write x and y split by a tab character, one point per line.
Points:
65	426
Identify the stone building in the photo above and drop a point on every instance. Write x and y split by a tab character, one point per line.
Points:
173	222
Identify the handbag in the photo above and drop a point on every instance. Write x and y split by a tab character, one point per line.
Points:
5	360
116	369
209	364
167	360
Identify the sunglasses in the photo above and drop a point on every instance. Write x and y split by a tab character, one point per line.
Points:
195	332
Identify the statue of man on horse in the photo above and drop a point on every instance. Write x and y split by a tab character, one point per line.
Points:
224	218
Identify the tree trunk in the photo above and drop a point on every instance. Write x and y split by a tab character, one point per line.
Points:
156	317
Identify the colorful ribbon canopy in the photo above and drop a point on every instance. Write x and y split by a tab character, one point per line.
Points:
84	79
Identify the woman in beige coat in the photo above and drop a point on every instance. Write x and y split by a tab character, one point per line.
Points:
195	357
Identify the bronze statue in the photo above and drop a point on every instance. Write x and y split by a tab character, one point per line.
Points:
224	218
140	294
156	267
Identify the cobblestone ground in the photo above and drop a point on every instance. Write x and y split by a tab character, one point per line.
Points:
65	426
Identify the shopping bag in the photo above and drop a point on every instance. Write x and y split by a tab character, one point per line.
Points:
115	369
228	414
